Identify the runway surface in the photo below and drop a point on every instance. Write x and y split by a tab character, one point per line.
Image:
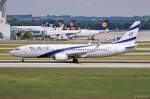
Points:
82	64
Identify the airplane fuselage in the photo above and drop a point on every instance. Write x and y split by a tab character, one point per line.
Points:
82	50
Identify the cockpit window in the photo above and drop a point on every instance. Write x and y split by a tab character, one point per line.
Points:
16	49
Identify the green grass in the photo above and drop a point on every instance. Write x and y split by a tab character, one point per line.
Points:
4	51
71	83
141	51
10	46
143	46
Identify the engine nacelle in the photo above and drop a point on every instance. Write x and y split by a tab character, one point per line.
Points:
61	57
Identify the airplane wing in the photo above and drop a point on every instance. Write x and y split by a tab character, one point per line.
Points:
72	33
78	54
62	33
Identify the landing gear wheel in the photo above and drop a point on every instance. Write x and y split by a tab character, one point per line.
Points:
22	60
75	60
93	38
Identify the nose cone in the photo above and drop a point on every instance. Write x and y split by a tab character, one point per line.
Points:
17	52
12	52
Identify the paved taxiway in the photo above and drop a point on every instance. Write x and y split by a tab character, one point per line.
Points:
82	64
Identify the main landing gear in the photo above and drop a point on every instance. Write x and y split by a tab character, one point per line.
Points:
75	60
22	60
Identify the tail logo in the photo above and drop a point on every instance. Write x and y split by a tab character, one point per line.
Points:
71	24
131	34
104	24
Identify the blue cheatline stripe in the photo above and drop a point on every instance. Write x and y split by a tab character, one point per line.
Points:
133	27
131	39
61	50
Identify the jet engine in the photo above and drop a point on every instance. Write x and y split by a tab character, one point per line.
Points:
61	57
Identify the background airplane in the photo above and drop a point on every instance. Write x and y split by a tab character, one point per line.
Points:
61	33
102	28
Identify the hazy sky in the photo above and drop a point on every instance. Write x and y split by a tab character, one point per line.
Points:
80	7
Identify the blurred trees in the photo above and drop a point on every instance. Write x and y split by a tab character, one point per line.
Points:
84	24
27	35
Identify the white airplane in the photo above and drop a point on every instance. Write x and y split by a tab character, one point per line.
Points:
70	34
58	32
46	31
87	33
64	52
103	28
27	28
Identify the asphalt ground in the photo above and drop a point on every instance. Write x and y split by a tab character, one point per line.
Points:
81	64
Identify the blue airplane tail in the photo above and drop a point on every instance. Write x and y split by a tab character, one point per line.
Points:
129	38
72	24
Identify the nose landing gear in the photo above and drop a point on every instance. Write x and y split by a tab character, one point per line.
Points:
75	60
